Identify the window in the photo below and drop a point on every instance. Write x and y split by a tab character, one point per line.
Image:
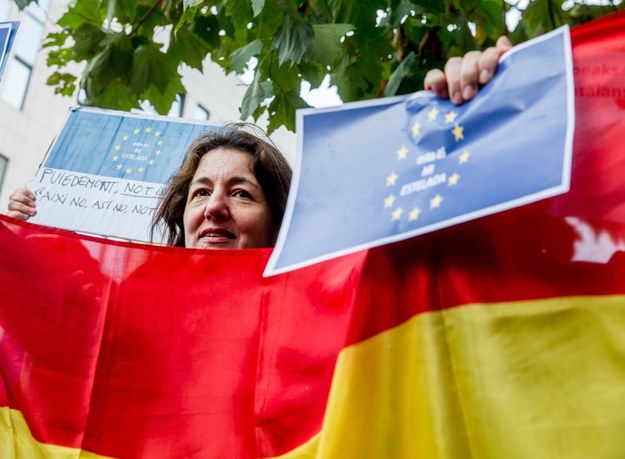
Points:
26	48
3	167
15	83
200	113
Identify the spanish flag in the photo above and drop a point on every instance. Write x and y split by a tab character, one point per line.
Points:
498	338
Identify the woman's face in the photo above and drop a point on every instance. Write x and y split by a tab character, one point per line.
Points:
226	207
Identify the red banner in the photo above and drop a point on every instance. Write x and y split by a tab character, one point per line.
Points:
500	337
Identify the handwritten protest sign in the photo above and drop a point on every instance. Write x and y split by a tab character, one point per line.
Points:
107	170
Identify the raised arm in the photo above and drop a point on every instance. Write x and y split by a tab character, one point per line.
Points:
22	204
463	75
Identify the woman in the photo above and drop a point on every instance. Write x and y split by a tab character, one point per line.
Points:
230	192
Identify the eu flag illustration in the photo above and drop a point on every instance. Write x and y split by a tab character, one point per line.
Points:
7	37
375	172
122	145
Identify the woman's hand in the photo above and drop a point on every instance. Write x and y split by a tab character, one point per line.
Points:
464	75
22	204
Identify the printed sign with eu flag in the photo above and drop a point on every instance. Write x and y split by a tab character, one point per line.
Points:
7	36
375	172
106	171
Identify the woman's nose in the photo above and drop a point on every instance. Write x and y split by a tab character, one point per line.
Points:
217	206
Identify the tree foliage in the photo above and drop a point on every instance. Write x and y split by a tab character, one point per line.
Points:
133	49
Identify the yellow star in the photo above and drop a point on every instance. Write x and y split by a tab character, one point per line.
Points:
125	137
148	129
416	129
450	117
464	157
414	214
402	153
391	179
150	162
136	131
129	171
432	114
160	142
119	167
157	134
115	158
435	202
396	214
457	131
453	180
117	148
141	169
157	152
389	201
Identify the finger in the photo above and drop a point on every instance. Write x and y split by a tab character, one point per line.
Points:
20	211
490	58
435	80
23	201
25	196
18	215
469	74
452	73
26	207
503	44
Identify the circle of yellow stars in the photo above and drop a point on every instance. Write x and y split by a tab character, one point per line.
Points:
402	154
125	138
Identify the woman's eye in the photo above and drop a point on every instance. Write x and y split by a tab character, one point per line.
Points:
242	194
201	193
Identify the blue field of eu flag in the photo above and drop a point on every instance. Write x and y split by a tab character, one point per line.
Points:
123	145
375	172
7	36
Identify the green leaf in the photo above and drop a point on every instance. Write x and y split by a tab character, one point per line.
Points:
240	12
257	7
87	38
406	8
490	18
403	71
112	63
63	83
124	10
326	47
116	96
362	14
151	66
282	110
293	39
162	101
241	56
313	73
185	46
83	12
207	28
256	93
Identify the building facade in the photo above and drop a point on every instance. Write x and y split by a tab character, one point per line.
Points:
31	115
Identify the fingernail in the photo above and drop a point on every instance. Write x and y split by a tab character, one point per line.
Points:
468	91
456	98
484	75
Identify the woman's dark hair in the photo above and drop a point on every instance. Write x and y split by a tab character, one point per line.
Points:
269	166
